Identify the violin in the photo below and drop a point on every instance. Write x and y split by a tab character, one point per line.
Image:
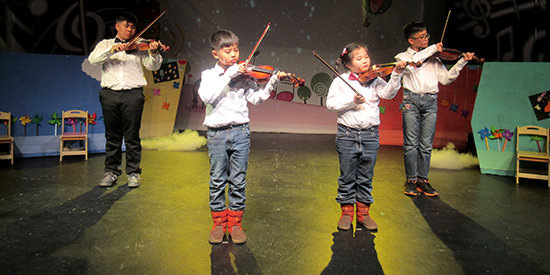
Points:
262	73
144	44
382	70
452	55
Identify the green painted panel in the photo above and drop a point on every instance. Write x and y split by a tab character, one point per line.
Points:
503	102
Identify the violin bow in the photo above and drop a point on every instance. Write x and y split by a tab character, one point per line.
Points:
335	72
257	44
444	28
145	29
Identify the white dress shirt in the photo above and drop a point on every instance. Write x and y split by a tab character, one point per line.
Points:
425	78
229	102
340	99
122	70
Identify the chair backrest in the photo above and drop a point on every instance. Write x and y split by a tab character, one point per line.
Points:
74	114
6	116
533	131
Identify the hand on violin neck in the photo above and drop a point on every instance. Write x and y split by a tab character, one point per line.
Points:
469	56
282	75
153	47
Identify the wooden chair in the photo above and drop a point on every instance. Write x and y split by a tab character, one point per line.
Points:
77	134
6	139
533	162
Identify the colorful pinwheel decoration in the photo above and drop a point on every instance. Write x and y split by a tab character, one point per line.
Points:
156	92
401	107
484	135
537	139
382	109
176	85
507	135
453	107
56	122
91	119
37	120
496	134
444	103
24	120
465	113
165	105
72	121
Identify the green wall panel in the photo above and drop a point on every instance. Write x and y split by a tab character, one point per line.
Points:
503	102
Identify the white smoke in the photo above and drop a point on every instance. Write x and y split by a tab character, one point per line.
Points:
189	140
449	158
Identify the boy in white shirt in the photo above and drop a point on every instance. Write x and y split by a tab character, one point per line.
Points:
228	90
420	88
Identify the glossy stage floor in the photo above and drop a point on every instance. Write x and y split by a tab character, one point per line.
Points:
54	219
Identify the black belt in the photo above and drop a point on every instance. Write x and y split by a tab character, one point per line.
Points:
359	129
226	127
123	90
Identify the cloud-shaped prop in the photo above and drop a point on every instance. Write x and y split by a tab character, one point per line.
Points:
89	69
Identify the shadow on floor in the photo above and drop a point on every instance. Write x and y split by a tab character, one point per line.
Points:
353	254
28	244
475	248
229	258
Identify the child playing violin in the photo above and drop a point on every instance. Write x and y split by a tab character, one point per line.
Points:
121	97
357	138
228	91
420	105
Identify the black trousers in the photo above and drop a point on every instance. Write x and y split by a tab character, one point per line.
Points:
122	111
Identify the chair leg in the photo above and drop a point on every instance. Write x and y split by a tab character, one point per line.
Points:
86	148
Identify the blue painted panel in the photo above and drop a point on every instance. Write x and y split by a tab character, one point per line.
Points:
39	84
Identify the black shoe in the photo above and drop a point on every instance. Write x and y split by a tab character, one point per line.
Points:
423	186
410	188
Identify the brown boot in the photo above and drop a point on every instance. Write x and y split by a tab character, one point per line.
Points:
220	224
347	217
234	219
364	218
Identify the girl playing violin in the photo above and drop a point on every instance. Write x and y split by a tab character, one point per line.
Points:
420	105
357	136
228	91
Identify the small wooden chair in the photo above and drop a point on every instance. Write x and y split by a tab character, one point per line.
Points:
524	156
7	138
76	135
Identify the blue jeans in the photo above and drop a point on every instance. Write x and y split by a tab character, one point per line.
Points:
357	150
228	152
419	119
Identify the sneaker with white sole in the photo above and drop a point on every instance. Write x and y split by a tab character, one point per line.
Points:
108	179
134	180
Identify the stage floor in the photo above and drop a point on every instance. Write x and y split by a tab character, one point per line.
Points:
54	219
